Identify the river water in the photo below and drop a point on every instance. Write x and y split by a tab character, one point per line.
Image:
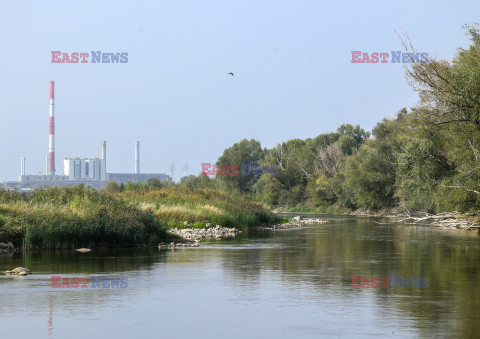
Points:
283	284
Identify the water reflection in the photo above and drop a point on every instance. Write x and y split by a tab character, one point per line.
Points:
49	316
302	276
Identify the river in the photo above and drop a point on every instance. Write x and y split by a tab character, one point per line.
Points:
291	283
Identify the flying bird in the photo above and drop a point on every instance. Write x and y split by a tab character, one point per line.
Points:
231	74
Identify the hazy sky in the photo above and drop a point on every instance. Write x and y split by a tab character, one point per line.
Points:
292	63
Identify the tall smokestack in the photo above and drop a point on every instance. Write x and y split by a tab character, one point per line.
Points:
22	166
51	134
137	157
104	150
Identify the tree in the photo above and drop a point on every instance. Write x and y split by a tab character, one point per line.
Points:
246	152
112	187
200	181
329	159
154	183
370	177
449	91
351	138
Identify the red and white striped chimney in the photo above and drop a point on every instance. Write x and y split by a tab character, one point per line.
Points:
51	134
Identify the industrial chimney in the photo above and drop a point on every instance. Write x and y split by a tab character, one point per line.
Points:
51	134
22	166
104	149
137	158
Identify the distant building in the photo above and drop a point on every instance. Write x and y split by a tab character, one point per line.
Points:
43	178
85	169
135	178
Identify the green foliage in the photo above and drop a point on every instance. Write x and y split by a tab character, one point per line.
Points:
370	177
75	217
113	187
351	138
242	152
268	189
154	183
173	205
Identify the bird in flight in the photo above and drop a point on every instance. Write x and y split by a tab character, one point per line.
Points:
231	74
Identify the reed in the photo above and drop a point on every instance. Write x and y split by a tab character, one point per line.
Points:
73	217
174	205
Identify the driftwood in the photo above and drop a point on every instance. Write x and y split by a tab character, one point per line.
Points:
444	220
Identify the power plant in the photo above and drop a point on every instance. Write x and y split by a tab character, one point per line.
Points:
89	171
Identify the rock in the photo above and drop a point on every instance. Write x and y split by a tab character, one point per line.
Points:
10	246
3	245
297	218
208	232
83	250
20	271
186	223
313	221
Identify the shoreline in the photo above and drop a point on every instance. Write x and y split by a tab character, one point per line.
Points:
191	236
445	220
185	237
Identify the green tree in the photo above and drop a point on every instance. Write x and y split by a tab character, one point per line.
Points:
112	187
154	183
243	152
351	138
370	177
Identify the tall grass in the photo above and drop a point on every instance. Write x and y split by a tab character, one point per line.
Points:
174	205
73	217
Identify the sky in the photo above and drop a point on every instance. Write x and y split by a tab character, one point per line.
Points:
292	63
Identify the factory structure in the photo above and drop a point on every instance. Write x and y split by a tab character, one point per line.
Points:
88	171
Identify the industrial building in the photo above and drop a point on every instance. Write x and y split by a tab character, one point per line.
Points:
88	171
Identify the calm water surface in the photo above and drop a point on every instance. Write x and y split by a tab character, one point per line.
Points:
283	284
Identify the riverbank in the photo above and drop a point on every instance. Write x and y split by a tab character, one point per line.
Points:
79	217
441	221
446	220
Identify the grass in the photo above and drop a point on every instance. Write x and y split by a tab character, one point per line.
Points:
73	217
174	205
